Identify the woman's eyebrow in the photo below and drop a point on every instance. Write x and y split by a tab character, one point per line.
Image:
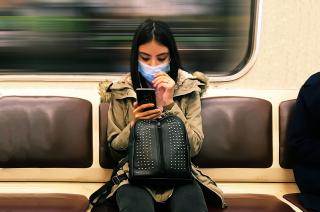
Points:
144	54
163	54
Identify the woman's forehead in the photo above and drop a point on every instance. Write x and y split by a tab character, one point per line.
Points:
153	48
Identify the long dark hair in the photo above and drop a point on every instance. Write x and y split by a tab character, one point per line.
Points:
160	31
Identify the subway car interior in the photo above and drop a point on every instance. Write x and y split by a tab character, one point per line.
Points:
56	54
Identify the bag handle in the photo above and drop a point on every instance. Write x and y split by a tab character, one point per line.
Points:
100	196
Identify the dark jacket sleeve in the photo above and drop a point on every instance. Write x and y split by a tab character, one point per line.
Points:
304	124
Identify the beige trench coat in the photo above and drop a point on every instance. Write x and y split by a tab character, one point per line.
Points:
187	107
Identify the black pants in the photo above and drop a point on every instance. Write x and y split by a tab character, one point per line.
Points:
188	197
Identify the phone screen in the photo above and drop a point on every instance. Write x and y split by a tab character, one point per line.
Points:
146	95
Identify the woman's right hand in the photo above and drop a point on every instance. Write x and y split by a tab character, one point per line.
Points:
142	112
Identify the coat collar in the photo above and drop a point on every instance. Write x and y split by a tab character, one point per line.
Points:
123	88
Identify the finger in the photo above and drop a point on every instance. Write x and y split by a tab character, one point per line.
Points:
148	114
162	79
143	107
160	108
163	83
158	84
151	116
135	105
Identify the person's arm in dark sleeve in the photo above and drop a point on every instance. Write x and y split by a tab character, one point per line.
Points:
303	143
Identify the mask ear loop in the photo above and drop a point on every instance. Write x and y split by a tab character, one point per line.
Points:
139	79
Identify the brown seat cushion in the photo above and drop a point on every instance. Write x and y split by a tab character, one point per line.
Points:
254	202
43	202
237	133
236	203
293	198
285	110
45	131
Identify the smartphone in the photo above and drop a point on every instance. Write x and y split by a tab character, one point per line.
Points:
146	95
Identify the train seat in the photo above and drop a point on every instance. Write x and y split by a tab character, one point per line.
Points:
42	133
236	203
285	110
238	134
43	202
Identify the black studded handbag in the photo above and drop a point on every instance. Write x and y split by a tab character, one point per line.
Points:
159	152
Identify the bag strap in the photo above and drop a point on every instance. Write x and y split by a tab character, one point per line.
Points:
100	196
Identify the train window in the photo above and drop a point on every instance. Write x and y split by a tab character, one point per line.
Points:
93	37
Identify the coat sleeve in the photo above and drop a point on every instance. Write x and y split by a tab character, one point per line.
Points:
303	138
192	120
118	129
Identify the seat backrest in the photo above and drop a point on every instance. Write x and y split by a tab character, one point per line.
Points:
285	110
237	133
237	130
45	132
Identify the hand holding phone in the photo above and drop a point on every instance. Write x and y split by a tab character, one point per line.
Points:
141	109
145	96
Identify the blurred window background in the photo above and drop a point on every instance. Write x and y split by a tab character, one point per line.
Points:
94	36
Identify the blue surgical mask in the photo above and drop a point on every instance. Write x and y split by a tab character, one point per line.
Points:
148	72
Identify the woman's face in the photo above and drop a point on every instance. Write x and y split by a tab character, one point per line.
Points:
153	53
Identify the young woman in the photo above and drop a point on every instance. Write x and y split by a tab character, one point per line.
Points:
155	63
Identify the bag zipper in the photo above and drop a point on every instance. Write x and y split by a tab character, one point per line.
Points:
160	142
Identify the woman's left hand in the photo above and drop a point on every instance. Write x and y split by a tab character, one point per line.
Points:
164	86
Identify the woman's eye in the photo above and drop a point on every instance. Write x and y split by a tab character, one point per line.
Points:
162	58
145	58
